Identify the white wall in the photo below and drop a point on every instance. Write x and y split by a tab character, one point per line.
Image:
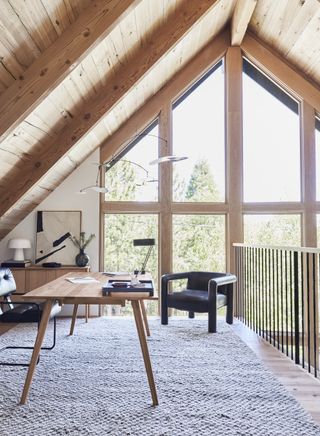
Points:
65	198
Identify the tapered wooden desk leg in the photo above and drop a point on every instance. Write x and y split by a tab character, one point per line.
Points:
144	349
74	317
37	347
87	312
144	316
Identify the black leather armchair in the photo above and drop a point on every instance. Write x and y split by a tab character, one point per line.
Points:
20	311
205	292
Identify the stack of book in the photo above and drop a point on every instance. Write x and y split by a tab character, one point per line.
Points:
11	263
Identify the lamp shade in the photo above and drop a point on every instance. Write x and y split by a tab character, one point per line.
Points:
18	244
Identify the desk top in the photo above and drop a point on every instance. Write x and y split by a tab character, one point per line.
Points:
85	293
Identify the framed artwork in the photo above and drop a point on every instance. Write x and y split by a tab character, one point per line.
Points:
53	230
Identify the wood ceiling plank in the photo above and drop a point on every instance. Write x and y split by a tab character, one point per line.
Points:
62	14
301	20
58	60
287	76
161	41
240	20
36	21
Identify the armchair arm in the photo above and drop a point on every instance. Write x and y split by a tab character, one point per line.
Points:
166	278
175	276
220	281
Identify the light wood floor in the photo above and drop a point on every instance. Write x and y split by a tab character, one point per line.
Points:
303	386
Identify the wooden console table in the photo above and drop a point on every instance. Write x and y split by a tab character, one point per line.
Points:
35	276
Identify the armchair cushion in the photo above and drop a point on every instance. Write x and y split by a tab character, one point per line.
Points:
197	298
27	312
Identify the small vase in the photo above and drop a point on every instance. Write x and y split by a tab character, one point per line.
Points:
82	259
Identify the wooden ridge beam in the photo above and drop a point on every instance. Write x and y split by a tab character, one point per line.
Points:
49	70
280	71
160	42
208	56
240	19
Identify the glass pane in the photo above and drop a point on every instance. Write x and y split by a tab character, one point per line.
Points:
198	132
199	243
277	230
271	143
132	178
121	255
317	131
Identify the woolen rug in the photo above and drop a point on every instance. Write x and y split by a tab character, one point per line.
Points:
94	383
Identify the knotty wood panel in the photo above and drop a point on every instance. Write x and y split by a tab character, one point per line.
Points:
58	60
187	15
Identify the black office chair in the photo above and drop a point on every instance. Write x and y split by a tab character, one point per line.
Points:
21	312
205	292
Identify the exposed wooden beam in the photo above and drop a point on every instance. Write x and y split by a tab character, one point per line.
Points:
48	71
160	42
308	174
241	17
208	56
234	149
281	72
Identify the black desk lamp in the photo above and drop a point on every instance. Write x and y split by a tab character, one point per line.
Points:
144	243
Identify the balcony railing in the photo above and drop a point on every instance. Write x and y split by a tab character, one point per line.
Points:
277	296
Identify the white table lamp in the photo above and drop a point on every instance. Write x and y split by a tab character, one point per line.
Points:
18	244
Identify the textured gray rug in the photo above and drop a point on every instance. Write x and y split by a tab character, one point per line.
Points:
94	384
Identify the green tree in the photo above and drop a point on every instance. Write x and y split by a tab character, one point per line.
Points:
199	240
201	186
121	180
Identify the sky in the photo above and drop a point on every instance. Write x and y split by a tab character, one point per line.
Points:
271	142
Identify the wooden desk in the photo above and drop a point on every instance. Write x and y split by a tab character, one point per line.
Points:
69	293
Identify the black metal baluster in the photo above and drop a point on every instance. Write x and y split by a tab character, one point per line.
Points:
308	314
273	299
287	301
246	286
264	311
296	306
291	302
242	290
315	330
269	298
277	298
255	289
281	296
302	310
250	293
259	290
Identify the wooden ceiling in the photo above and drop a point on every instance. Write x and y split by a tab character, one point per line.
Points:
73	71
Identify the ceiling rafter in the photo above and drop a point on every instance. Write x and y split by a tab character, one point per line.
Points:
240	19
286	75
160	42
49	70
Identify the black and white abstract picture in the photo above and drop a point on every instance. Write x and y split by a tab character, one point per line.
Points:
53	230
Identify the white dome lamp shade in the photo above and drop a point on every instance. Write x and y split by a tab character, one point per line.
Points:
97	187
18	244
163	159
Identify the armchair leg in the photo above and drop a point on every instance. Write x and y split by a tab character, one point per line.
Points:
229	314
191	315
164	314
212	321
229	311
